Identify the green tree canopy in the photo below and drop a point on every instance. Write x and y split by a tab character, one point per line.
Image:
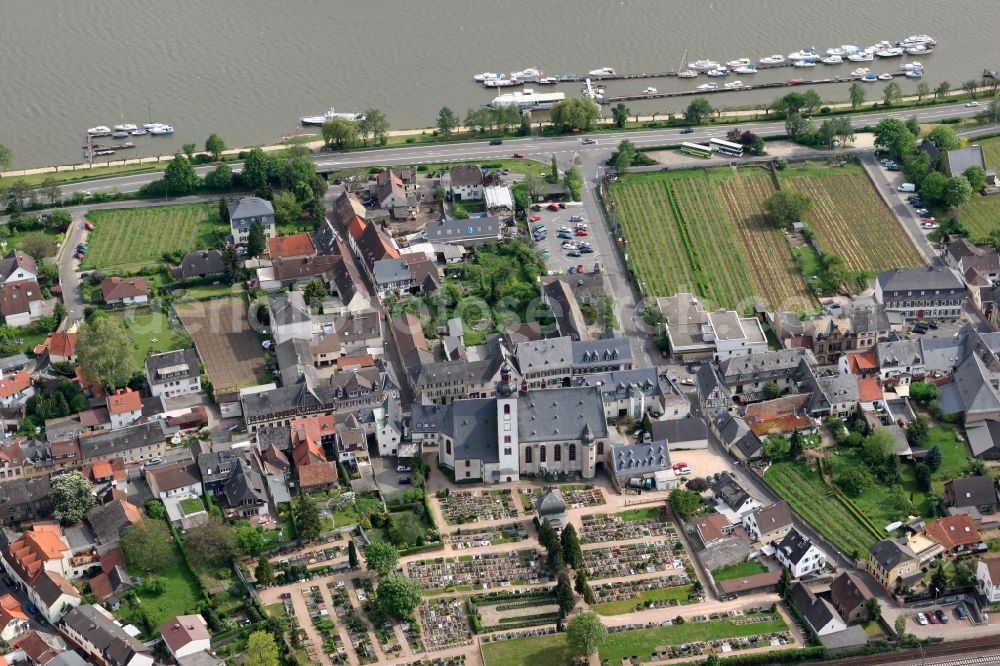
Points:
620	113
219	179
685	503
264	573
381	557
447	121
262	650
857	93
256	239
212	543
893	136
306	518
340	133
564	593
256	170
922	473
39	246
585	634
771	391
976	176
72	497
932	188
397	596
148	545
892	94
786	206
573	182
944	138
571	547
214	145
179	177
104	350
957	191
697	111
375	125
249	539
574	113
5	157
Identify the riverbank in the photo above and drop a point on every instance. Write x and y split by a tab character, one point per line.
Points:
67	174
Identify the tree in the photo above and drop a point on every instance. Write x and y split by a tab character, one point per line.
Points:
944	138
256	170
50	189
71	497
771	391
306	518
585	634
785	207
939	581
917	432
942	89
758	146
934	458
447	121
571	547
249	539
564	593
340	133
553	169
478	118
790	103
932	187
842	129
381	557
857	93
232	269
212	543
971	87
697	111
913	124
923	391
188	150
957	192
798	127
315	292
221	178
38	246
900	626
893	136
352	554
105	351
976	176
916	166
855	480
574	182
923	90
922	473
5	157
547	537
620	113
397	596
374	124
811	101
874	610
179	177
264	573
991	114
262	650
148	545
892	94
215	145
685	503
574	114
785	583
256	240
795	445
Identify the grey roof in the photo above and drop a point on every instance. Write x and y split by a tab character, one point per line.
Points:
973	385
117	441
729	491
25	491
465	175
201	658
13	362
560	414
345	276
888	553
173	476
457	231
202	263
942	354
731	428
868	317
283	399
358	326
774	517
216	466
688	429
472	424
622	383
389	271
832	390
793	545
817	612
49	590
458	372
250	207
109	521
765	365
565	309
615	350
709	381
244	485
750	446
919	279
853	636
632	460
962	158
288	307
106	636
899	353
984	437
972	491
541	355
172	365
550	503
67	658
295	363
849	591
428	418
962	248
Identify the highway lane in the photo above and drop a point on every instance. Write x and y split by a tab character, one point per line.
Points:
537	147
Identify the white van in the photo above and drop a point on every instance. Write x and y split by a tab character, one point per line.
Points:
907	187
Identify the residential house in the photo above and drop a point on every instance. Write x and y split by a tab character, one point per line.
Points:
60	347
15	389
713	396
686	433
290	316
124	291
798	554
644	465
635	393
859	364
468	233
180	478
173	373
732	500
100	637
745	376
135	444
41	560
955	534
352	444
713	528
921	293
850	596
984	439
359	332
215	467
18	266
201	264
893	564
466	182
389	426
110	521
27	499
818	613
244	494
245	212
317	477
346	285
373	244
559	298
391	194
782	415
693	333
973	392
444	381
975	492
957	161
295	272
411	342
20	302
830	394
185	635
988	578
408	274
770	523
900	362
292	246
828	336
113	580
124	407
13	620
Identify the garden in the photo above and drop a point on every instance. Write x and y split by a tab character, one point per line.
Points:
133	237
981	214
550	650
740	570
152	333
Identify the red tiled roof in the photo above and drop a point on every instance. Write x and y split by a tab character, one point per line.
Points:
60	344
14	384
17	297
710	527
94	417
869	390
954	531
101	470
10	610
312	428
113	558
311	476
43	543
116	288
308	453
100	585
770	410
993	567
36	648
67	448
361	361
860	362
184	630
124	402
356	227
294	245
780	425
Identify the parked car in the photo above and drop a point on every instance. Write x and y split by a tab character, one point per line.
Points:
921	619
496	142
574	253
941	616
576	218
687	382
545	254
686	130
8	581
518	155
568	246
538	227
580	269
403	468
536	207
31	608
932	618
561	205
405	481
586	249
960	612
553	206
565	235
581	225
933	324
572	270
78	256
536	218
88	225
581	232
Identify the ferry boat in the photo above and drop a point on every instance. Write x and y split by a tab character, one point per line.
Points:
100	130
487	76
746	69
843	50
527	99
804	55
804	63
649	91
319	120
739	62
832	60
718	71
775	59
711	85
890	52
125	127
703	65
687	74
734	84
603	71
162	130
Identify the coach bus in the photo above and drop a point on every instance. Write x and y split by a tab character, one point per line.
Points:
726	147
696	149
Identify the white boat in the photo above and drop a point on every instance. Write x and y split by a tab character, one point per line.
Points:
711	85
739	62
860	71
100	130
649	91
917	49
528	99
119	134
500	83
687	74
832	60
804	63
703	65
329	115
487	76
718	71
843	50
162	130
885	77
926	40
528	75
862	56
139	131
547	81
746	69
878	46
603	71
914	73
734	84
152	126
890	52
125	127
870	77
906	66
774	59
804	54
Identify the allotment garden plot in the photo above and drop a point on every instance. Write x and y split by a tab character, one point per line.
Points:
850	220
704	231
131	237
226	345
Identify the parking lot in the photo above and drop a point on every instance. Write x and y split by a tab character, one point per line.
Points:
560	259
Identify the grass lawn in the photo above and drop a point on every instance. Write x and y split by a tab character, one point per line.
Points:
469	207
679	594
740	570
537	651
648	513
15	241
205	292
180	597
192	505
354	512
151	333
643	641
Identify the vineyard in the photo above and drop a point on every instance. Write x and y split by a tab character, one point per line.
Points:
704	231
816	503
135	236
850	220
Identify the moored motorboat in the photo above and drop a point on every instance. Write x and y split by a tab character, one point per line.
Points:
734	84
500	83
860	72
687	74
718	71
649	91
924	40
832	60
100	130
739	62
774	59
804	54
529	75
862	56
870	77
914	73
162	130
711	85
487	76
885	77
703	65
917	49
125	127
319	120
603	71
804	63
843	50
547	81
906	66
746	69
139	131
119	134
890	52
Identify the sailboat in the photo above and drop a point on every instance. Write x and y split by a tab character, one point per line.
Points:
151	125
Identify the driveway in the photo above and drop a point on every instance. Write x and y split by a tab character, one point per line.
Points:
887	183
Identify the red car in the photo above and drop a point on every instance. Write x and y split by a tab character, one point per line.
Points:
518	155
553	206
78	256
679	465
580	269
536	218
88	225
582	232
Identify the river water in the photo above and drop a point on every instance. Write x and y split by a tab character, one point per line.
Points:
248	69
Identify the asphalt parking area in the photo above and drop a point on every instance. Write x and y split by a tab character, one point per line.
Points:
559	259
